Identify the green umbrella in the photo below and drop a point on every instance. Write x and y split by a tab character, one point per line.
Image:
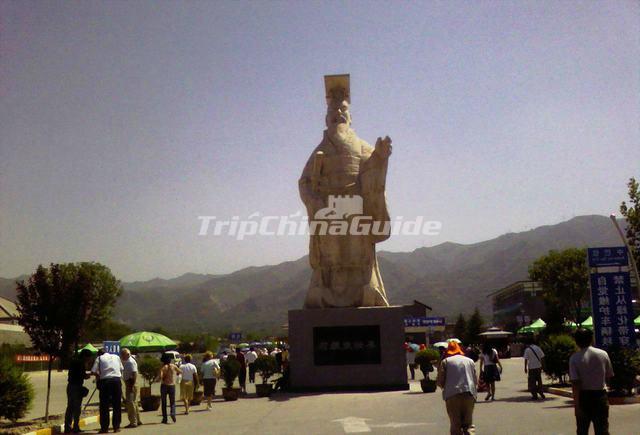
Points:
243	345
588	323
536	326
90	347
144	341
570	324
637	321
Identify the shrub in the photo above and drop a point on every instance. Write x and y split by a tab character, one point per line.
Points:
424	359
16	392
557	351
266	366
149	369
626	366
229	370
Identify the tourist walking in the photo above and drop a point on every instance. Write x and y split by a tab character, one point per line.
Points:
533	357
457	378
188	383
108	370
76	390
411	360
210	372
130	377
589	370
242	375
251	358
167	375
490	367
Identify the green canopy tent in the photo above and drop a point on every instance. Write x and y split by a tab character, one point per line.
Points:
90	347
536	326
637	321
144	341
588	323
570	324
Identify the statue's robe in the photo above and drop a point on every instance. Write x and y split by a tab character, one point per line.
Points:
345	268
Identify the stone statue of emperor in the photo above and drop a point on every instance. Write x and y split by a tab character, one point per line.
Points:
343	168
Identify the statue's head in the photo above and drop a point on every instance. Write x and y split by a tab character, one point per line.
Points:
338	118
338	97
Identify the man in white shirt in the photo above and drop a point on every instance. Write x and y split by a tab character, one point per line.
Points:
533	357
251	357
188	382
589	370
130	376
108	370
457	378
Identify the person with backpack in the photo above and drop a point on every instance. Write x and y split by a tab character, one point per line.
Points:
533	357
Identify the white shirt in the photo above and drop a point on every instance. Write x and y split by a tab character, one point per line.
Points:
251	357
188	370
108	366
209	369
590	366
530	354
459	374
411	357
130	367
489	359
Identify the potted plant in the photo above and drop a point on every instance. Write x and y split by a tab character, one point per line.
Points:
229	370
149	369
266	367
626	367
426	359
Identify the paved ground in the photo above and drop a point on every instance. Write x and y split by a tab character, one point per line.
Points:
405	412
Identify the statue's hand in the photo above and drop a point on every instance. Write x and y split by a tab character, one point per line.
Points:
383	147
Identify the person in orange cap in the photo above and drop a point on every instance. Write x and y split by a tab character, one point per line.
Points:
457	378
454	349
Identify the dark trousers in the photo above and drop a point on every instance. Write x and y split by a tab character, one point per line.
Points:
168	391
74	405
593	406
535	382
252	373
242	376
110	397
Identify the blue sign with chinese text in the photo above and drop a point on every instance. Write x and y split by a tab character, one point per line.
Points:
424	321
602	257
235	336
612	309
111	347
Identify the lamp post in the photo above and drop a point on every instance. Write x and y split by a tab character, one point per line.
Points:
626	243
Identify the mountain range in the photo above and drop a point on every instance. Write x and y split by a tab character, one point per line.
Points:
450	277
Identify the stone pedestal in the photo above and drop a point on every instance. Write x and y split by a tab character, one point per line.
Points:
347	349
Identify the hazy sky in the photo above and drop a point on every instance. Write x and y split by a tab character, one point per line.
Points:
122	122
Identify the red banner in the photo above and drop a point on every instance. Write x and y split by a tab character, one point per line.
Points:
32	358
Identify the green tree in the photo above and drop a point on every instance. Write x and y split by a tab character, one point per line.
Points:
557	351
564	277
474	328
460	329
631	213
110	329
59	303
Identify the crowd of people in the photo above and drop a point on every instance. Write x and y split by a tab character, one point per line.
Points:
589	370
113	371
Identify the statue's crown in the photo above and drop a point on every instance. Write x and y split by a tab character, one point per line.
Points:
337	87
